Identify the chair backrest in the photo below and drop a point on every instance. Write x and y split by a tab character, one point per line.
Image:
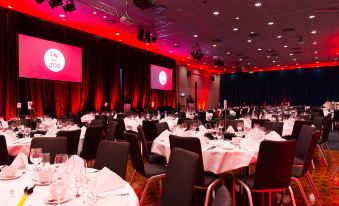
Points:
92	138
274	164
112	155
232	123
182	119
297	127
223	197
179	179
258	121
73	137
161	127
317	121
119	132
327	126
191	144
143	141
52	145
191	122
307	142
274	126
111	130
97	122
134	151
336	115
4	157
150	129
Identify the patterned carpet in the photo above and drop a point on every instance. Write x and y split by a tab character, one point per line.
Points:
328	188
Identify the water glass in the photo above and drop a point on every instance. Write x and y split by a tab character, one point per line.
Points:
60	162
46	159
36	157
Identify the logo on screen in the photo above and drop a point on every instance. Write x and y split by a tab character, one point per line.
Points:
162	78
54	60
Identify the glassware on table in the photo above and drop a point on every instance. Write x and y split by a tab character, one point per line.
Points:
220	136
61	164
46	160
36	157
240	126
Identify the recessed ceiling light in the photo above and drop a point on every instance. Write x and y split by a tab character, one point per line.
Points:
228	53
273	61
216	13
268	56
235	29
291	54
94	12
240	59
195	35
249	40
62	15
237	18
311	17
252	32
10	7
314	32
316	57
278	65
315	42
249	63
294	59
259	49
118	34
317	62
270	23
285	46
175	44
104	17
316	52
279	36
257	4
214	45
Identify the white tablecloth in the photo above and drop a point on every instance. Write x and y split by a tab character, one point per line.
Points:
12	190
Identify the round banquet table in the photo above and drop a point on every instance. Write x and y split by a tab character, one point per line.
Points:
11	192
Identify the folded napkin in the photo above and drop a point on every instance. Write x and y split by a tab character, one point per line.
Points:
21	161
83	131
164	135
230	130
202	129
106	181
273	136
76	164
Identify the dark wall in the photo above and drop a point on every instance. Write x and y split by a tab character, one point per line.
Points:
102	60
299	87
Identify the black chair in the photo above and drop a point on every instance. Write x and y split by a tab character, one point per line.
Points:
4	157
97	122
204	181
179	179
296	129
317	121
92	138
326	129
161	127
150	131
191	122
146	170
119	132
335	117
112	155
307	142
111	130
223	197
274	126
73	137
52	145
273	170
258	121
151	158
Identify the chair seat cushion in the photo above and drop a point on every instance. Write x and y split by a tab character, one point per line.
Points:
154	169
154	159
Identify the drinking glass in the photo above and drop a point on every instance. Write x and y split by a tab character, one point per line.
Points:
36	157
59	188
60	162
46	159
240	126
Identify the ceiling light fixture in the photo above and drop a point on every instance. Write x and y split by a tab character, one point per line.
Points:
279	36
235	29
291	54
285	46
313	32
249	40
270	23
273	61
316	52
257	4
315	42
311	17
214	45
216	13
237	18
259	49
228	53
294	59
94	12
195	35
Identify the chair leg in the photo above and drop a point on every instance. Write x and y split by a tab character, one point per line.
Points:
292	196
329	151
233	193
209	190
313	187
322	154
131	181
144	192
301	190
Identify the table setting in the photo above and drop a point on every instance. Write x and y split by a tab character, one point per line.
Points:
66	182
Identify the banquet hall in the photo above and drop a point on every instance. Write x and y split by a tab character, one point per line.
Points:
160	102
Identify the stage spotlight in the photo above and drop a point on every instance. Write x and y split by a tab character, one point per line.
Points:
141	32
69	7
39	1
55	3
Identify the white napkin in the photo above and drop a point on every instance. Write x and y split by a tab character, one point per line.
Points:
83	131
230	130
202	128
21	161
164	135
76	163
106	181
273	136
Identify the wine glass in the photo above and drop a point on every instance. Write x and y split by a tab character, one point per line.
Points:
36	157
60	162
46	159
240	126
220	136
59	188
